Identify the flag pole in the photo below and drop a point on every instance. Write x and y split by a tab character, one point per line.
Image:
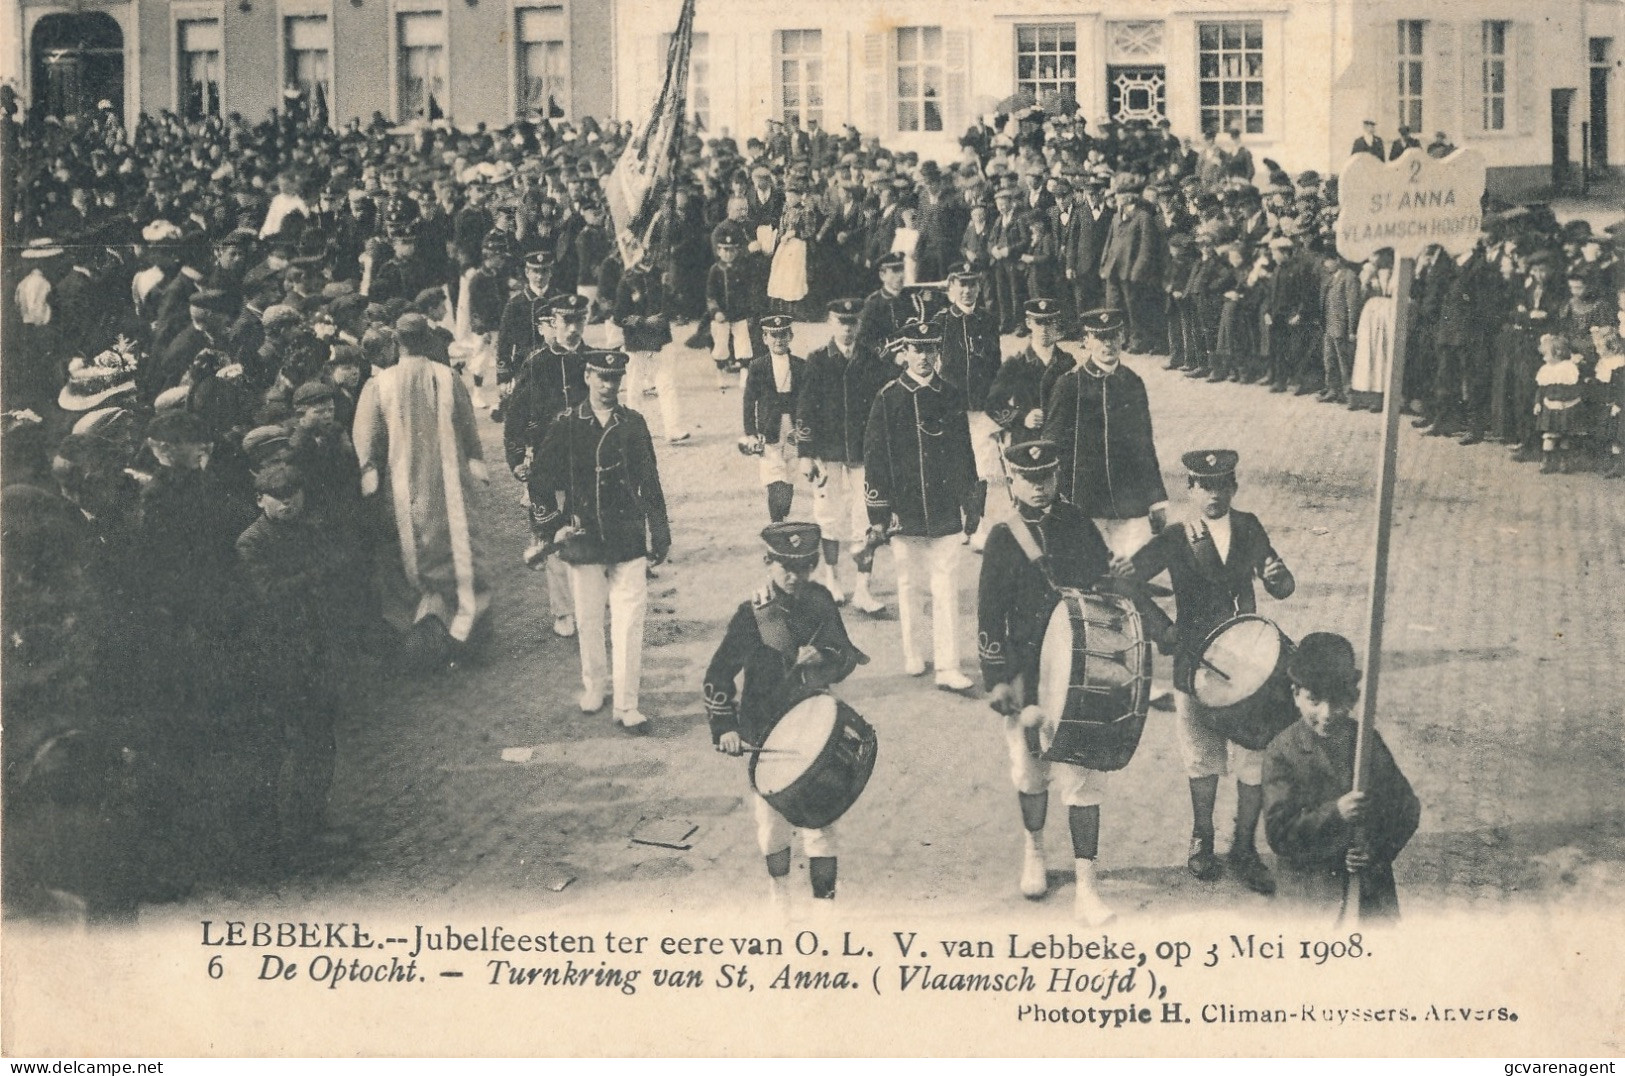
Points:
1387	462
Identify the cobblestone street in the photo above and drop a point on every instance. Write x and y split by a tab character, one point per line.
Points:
1501	697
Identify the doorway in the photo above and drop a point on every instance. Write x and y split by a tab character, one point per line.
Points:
77	63
1562	166
1601	47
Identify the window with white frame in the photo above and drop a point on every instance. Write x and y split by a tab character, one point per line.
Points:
1410	74
420	62
1230	76
1047	60
541	66
801	76
307	57
198	45
920	78
1494	76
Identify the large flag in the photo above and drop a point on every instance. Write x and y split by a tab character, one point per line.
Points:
644	170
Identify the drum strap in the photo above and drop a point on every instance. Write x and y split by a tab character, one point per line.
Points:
1022	532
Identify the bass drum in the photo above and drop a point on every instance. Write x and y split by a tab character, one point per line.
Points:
1240	680
1094	679
816	761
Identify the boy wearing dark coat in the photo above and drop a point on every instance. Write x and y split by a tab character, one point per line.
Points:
1324	834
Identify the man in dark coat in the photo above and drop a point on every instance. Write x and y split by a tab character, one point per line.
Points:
1369	142
1131	266
519	333
840	383
1099	418
886	309
1016	399
789	641
551	382
1466	324
1325	835
970	363
1212	561
772	386
920	474
596	492
1086	225
1291	309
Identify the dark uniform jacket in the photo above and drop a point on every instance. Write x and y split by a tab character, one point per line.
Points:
765	406
609	485
1022	386
836	397
1015	600
640	310
763	640
516	333
1208	591
970	353
917	459
551	383
883	317
1304	776
487	301
734	290
1102	423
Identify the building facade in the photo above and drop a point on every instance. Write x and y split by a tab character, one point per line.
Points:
1528	82
479	60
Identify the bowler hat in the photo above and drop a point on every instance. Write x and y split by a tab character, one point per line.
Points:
1323	665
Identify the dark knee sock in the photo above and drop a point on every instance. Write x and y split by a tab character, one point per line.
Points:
979	498
778	864
779	497
832	552
1085	825
821	869
1249	805
1034	810
1204	790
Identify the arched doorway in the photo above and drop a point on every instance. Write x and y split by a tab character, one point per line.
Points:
77	62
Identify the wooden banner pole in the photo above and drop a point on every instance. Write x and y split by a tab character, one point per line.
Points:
1387	461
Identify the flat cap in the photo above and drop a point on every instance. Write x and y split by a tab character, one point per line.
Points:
792	541
1042	311
313	392
607	363
570	306
777	323
891	260
1101	322
1210	462
846	309
1033	457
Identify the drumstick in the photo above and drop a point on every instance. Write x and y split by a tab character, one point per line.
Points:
767	751
1214	669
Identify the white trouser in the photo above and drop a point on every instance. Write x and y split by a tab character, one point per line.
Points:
1031	775
557	574
773	832
1125	537
1208	753
778	462
657	369
621	589
940	556
738	332
984	443
839	507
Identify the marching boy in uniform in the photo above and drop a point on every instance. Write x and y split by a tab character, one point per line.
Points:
1015	598
786	640
832	409
920	484
1322	831
1212	561
771	388
731	288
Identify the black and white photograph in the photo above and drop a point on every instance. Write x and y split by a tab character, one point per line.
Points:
1079	528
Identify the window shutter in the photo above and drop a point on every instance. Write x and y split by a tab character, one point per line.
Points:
1472	78
874	84
956	88
1444	84
1385	109
1521	77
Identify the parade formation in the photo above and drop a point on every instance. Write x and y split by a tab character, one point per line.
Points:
248	366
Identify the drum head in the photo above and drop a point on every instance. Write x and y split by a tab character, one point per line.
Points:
794	744
1247	651
1055	665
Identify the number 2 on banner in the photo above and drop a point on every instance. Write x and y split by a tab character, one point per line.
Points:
1416	170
